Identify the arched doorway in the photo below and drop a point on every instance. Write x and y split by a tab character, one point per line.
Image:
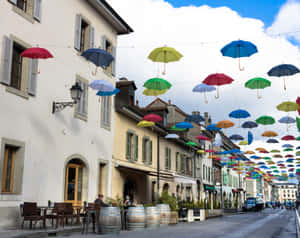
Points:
166	188
74	181
129	188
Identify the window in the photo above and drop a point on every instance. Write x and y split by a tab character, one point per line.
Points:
81	108
177	161
208	174
16	68
167	158
132	146
105	111
147	151
8	169
22	4
182	163
204	174
108	46
84	34
29	9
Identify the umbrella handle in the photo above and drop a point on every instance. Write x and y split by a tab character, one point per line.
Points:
218	94
164	72
205	98
284	84
240	67
38	71
95	73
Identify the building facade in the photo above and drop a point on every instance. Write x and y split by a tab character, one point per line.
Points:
287	192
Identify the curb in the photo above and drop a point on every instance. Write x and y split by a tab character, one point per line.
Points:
297	223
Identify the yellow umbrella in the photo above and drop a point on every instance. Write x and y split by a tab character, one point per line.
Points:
145	123
244	142
201	151
249	152
150	92
269	134
260	149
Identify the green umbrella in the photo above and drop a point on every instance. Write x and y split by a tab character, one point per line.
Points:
298	138
275	171
265	120
288	149
288	106
273	167
191	143
298	153
298	123
157	84
267	158
257	83
165	55
173	128
275	151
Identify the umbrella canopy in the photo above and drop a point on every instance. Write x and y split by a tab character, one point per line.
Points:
287	146
157	84
288	149
145	124
298	102
201	151
277	156
150	92
265	120
212	127
272	141
102	85
244	142
236	137
109	93
204	88
174	128
288	106
152	117
210	151
298	138
184	125
257	83
194	118
217	80
250	137
238	49
260	149
283	70
165	55
287	120
275	151
225	124
36	53
172	136
249	152
191	143
239	114
249	124
202	137
269	134
288	137
298	153
298	123
100	57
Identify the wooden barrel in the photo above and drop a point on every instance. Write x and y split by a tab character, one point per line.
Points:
152	217
110	220
164	210
136	218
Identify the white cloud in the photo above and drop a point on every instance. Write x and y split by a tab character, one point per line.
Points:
199	33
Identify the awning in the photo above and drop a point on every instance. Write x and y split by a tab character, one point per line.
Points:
235	190
209	187
185	180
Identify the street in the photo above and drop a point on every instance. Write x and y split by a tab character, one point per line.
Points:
266	224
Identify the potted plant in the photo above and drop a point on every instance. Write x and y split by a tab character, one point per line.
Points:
165	198
49	203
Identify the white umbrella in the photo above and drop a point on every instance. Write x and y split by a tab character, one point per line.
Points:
102	85
172	136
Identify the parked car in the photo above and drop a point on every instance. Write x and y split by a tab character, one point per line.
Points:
249	204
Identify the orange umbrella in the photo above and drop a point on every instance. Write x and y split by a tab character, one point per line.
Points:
277	156
269	134
249	152
225	124
260	149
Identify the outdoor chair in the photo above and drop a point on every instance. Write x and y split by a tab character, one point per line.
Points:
30	212
57	213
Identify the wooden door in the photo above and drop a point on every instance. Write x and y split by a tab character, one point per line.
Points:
73	189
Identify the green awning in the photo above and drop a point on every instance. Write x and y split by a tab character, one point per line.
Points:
209	187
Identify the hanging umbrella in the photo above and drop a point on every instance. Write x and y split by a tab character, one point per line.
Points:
265	120
250	137
257	83
217	80
191	143
108	93
194	118
298	123
260	149
172	136
249	124
277	156
283	70
298	138
210	151
201	137
173	128
238	49
288	149
238	114
150	92
145	124
288	137
272	141
275	151
212	127
184	125
269	134
157	84
102	85
287	120
204	88
287	146
244	142
249	152
298	102
288	106
152	117
100	57
297	153
225	124
201	151
165	55
236	137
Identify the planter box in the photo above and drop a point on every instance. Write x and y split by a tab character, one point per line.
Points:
190	215
173	217
214	213
182	214
199	214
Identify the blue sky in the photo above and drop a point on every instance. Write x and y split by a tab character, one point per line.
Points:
264	10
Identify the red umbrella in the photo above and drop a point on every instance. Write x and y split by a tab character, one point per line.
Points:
217	80
152	117
218	158
264	152
36	53
288	137
298	102
210	151
201	137
233	157
289	156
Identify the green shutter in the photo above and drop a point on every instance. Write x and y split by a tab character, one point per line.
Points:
182	163
128	145
150	159
176	161
169	157
136	147
166	158
144	156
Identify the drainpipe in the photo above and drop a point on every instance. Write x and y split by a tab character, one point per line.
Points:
158	167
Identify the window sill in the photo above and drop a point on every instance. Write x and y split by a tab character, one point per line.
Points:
105	127
17	92
23	14
81	117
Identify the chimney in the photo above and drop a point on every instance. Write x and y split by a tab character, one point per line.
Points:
169	102
209	120
206	120
137	103
195	113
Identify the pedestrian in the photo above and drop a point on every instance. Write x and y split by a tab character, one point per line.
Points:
127	203
99	201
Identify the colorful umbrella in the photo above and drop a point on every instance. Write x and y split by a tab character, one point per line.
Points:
172	136
102	85
212	127
249	152
275	151
201	151
287	120
287	146
269	134
157	84
103	94
173	128
165	55
150	92
243	142
298	102
238	114
283	70
265	120
194	118
145	124
204	88
238	49
236	137
298	138
217	80
297	153
250	137
249	124
184	125
201	137
288	106
152	117
225	124
272	141
257	83
191	143
298	123
288	149
260	149
288	137
277	156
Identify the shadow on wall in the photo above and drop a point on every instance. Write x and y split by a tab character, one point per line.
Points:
41	128
10	218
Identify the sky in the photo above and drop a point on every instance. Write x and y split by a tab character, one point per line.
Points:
198	32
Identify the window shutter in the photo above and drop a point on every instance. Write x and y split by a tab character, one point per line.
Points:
85	99
37	12
136	147
7	60
92	37
108	110
169	157
150	150
144	150
114	61
166	159
78	32
32	77
104	42
176	161
13	1
128	145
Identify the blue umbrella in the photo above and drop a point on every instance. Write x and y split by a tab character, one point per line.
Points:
212	127
235	151
254	157
204	88
287	146
287	120
272	141
238	49
249	124
184	125
102	85
194	118
250	137
238	114
298	148
101	93
283	70
236	137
